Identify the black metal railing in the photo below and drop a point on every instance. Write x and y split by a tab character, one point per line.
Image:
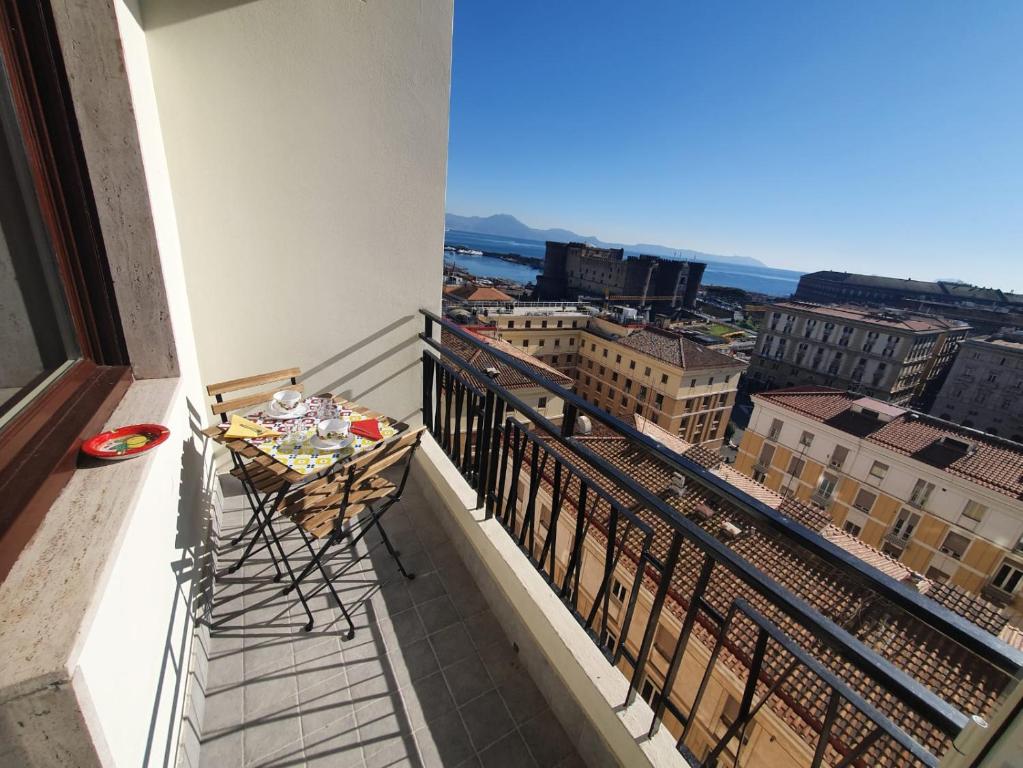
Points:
608	545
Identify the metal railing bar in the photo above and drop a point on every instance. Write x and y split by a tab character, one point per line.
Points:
944	620
920	698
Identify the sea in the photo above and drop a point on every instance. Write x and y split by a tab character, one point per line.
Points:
767	280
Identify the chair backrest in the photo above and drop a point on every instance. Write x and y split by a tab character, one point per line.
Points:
374	462
274	380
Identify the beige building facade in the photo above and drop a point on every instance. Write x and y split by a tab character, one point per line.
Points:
681	386
943	500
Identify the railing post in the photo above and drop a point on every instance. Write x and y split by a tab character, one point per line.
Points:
568	421
428	389
483	465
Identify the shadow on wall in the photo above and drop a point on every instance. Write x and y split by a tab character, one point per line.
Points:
344	385
151	14
193	574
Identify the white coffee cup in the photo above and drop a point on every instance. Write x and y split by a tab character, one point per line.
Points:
287	399
333	430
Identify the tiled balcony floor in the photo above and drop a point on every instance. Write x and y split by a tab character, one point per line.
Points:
429	678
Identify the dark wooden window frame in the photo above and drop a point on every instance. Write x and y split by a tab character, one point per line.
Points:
39	447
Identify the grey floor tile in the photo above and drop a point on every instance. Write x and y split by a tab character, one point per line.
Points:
444	742
336	745
486	720
411	662
425	587
483	628
467	679
426	699
451	644
395	752
271	733
509	752
547	741
325	703
438	613
224	751
522	697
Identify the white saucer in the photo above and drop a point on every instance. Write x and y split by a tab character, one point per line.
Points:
275	412
320	444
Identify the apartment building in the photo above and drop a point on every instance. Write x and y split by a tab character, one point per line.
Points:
660	374
573	269
984	387
891	355
944	500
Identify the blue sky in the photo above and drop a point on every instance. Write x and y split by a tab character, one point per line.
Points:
882	137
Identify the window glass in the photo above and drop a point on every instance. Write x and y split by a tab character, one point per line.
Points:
37	339
865	500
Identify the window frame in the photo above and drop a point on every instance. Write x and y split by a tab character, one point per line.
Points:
80	400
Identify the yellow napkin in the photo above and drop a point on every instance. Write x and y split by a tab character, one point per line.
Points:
244	428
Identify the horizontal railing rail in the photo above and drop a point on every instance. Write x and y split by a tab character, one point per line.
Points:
466	409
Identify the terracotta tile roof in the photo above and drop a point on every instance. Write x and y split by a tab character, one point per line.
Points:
506	377
989	461
965	681
675	349
886	564
471	292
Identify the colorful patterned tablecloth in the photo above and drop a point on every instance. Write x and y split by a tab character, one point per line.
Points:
295	448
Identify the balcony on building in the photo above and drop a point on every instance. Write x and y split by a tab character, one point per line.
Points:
263	185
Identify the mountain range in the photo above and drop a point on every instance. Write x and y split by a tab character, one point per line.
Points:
506	225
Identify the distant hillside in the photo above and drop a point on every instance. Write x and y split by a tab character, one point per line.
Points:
506	225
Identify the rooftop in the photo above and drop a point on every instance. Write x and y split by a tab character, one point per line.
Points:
959	291
471	292
675	349
984	459
895	319
506	376
968	682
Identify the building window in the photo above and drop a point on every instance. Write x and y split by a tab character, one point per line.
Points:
878	470
826	487
905	524
587	381
796	466
618	359
625	400
529	324
1008	576
543	323
511	323
955	545
766	455
540	343
806	439
865	500
658	401
653	417
850	527
974	511
614	376
665	641
759	476
541	403
557	342
554	360
664	378
605	352
642	393
559	323
593	347
525	342
938	575
632	365
651	694
600	386
646	371
601	370
618	591
63	353
628	385
692	383
775	430
921	493
838	456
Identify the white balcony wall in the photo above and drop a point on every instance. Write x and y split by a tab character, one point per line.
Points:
306	145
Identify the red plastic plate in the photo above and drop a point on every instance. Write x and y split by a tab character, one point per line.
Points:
126	442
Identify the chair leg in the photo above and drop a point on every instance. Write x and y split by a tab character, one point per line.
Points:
375	519
317	563
269	524
261	533
337	598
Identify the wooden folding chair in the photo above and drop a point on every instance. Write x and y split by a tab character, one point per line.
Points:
321	508
258	473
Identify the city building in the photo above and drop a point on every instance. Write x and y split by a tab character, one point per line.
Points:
828	287
207	192
944	500
657	373
984	387
892	355
572	270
